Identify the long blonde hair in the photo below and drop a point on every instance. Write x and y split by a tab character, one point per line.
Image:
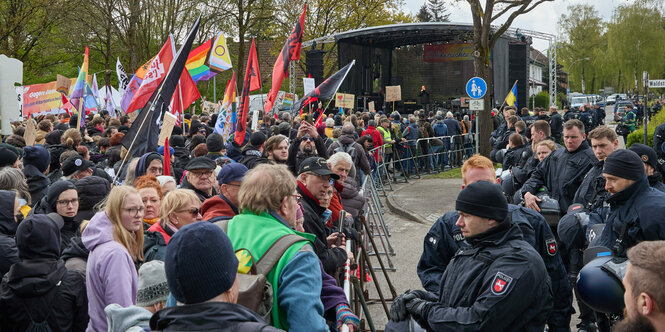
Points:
113	205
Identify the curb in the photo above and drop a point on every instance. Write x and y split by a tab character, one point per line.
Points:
397	209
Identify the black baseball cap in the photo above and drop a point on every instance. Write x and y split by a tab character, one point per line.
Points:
74	164
318	166
200	163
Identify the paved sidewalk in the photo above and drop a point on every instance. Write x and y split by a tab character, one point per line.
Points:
424	200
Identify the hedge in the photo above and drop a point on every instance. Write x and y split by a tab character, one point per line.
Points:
637	136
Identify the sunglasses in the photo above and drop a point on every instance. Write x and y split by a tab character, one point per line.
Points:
308	139
194	212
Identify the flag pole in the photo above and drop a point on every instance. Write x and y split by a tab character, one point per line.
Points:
340	84
504	99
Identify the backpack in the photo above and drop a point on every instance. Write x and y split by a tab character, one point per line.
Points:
43	325
255	291
350	149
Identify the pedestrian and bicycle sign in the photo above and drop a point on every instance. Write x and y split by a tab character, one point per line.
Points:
476	88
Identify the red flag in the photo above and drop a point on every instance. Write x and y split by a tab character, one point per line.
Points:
167	157
290	51
186	88
319	119
255	79
251	74
153	77
66	104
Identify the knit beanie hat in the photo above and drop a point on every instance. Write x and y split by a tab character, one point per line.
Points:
647	154
38	236
200	263
36	156
177	141
152	287
483	199
54	191
214	142
257	139
53	137
7	157
624	164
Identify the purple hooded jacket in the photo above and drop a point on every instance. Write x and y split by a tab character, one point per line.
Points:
111	276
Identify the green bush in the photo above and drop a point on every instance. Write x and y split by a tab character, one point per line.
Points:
638	135
542	100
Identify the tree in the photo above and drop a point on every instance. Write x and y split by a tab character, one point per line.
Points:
484	38
437	10
424	14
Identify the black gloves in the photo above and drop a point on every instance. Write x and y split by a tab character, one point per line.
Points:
411	303
418	307
398	311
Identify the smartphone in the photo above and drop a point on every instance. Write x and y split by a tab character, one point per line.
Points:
308	119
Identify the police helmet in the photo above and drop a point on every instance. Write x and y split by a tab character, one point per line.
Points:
549	208
499	155
599	288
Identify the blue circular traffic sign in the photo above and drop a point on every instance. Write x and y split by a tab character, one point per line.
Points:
476	88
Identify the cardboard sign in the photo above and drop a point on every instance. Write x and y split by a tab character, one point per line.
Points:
167	127
370	105
308	84
30	133
393	93
344	100
255	120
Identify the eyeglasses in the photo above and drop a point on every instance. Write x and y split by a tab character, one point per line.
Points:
194	211
308	139
67	202
297	197
201	174
135	211
232	184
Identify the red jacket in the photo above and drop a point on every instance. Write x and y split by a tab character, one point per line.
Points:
376	138
216	207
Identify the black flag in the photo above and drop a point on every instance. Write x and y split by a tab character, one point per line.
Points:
143	135
327	89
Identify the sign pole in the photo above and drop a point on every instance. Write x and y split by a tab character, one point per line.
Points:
645	108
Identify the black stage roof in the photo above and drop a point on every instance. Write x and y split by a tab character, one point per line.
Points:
396	35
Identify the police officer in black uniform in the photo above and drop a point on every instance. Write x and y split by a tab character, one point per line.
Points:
445	238
499	283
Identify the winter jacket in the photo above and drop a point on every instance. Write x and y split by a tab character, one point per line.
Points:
55	151
556	127
359	158
218	206
499	283
377	139
8	225
591	192
562	173
411	134
155	240
130	319
70	227
37	183
43	290
200	194
440	129
252	157
512	157
635	214
656	181
445	238
75	256
209	316
659	139
353	200
454	127
332	258
111	276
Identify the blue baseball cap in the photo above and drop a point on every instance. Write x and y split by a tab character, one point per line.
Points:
231	172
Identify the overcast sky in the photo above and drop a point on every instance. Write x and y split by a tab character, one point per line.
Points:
543	18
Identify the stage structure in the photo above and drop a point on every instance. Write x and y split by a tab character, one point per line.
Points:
438	55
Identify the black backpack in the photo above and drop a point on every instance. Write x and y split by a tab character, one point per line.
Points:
43	325
350	149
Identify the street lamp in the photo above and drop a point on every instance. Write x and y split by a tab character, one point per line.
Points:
570	69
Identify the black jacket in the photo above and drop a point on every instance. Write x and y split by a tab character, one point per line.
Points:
37	183
8	251
55	151
556	126
208	316
444	239
659	139
562	173
331	258
43	290
75	255
656	181
591	192
635	215
499	283
360	160
251	157
512	157
201	195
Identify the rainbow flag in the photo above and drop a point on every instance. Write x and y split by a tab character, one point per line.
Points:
79	87
196	63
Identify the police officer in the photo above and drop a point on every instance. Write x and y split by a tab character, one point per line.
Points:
635	211
556	123
563	171
445	238
591	192
499	283
659	139
588	117
651	167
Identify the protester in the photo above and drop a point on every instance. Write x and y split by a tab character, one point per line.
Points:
13	179
200	177
225	205
179	208
35	167
346	143
9	219
150	163
307	143
276	149
39	293
91	191
114	237
151	296
76	168
151	195
62	199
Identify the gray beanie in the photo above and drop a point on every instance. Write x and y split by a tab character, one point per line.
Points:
152	287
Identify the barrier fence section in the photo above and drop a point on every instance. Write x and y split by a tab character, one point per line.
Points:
405	160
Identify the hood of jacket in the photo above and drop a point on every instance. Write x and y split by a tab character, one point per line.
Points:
91	190
8	224
36	179
205	316
217	206
75	248
121	319
31	278
346	139
98	231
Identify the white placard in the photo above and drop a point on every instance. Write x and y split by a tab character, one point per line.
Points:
308	84
255	120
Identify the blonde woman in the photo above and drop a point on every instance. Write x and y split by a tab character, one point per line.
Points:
114	237
179	208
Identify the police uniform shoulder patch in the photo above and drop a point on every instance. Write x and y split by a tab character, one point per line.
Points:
551	246
458	237
500	283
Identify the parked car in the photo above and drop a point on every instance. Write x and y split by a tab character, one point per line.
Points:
611	99
620	109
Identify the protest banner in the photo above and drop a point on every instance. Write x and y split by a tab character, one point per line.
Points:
344	100
167	127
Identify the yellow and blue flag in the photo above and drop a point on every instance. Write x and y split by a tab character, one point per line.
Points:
511	98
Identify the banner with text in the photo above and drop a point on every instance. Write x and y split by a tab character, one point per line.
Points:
448	52
39	98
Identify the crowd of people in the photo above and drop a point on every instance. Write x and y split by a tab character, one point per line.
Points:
96	239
